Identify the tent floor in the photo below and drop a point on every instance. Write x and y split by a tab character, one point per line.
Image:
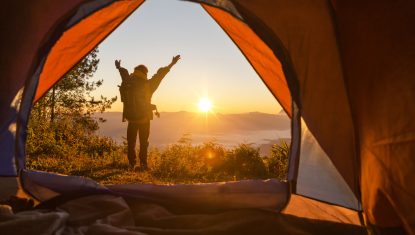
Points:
109	214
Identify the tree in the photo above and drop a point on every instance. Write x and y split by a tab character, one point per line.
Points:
72	94
69	106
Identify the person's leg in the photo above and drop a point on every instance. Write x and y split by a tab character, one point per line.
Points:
131	140
144	133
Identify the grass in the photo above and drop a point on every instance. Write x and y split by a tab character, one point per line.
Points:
105	170
178	163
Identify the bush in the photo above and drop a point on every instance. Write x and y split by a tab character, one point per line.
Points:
277	163
182	160
213	156
176	161
67	136
99	146
73	151
244	162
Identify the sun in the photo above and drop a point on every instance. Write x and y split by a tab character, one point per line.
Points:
204	105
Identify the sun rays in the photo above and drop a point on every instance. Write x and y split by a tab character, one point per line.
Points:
204	105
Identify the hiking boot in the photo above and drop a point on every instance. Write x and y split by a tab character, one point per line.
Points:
141	168
144	167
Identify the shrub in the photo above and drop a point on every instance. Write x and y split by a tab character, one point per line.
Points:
244	162
76	152
67	136
179	160
277	163
213	156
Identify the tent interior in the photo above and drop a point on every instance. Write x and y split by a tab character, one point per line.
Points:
342	70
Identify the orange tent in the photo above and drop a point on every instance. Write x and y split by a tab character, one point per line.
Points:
342	69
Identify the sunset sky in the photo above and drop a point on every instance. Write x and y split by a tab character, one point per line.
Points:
211	65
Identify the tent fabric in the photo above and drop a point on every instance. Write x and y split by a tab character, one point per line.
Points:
308	208
23	55
44	186
244	37
306	30
241	207
348	65
27	30
109	214
378	54
11	186
211	197
295	147
339	91
80	39
257	53
267	194
317	176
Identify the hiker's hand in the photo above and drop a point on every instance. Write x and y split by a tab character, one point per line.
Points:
117	64
175	59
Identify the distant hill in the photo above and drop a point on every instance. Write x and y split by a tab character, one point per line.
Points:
260	129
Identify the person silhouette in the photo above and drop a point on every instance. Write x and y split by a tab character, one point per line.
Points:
136	93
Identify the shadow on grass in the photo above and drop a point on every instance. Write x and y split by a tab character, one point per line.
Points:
102	172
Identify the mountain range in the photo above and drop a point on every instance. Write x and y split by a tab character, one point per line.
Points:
259	129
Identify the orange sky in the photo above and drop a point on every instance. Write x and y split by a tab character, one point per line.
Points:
211	64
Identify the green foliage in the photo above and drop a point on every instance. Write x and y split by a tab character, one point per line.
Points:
244	162
72	94
66	137
40	140
209	161
213	156
61	124
278	161
181	162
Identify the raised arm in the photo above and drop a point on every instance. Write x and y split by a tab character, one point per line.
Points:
161	73
123	71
